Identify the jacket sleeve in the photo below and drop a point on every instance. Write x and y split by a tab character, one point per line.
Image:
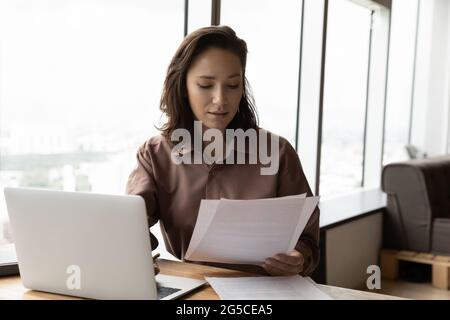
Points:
141	182
292	181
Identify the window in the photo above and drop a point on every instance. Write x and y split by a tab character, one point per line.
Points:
80	82
199	15
345	97
273	61
400	79
310	88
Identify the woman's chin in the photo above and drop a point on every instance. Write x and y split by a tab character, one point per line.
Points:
219	125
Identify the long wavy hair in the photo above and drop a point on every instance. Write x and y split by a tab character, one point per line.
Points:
174	99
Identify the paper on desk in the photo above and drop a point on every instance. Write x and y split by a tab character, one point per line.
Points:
248	231
267	288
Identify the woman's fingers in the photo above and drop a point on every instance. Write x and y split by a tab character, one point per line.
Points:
274	271
294	259
285	264
274	266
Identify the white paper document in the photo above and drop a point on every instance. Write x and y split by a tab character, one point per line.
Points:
248	231
267	288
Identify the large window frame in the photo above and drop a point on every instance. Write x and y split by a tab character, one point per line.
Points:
309	113
309	122
311	92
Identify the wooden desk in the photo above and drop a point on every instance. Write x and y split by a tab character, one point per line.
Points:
12	288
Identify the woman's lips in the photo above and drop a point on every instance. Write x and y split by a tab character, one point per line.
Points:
218	114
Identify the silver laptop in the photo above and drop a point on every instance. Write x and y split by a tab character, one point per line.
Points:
87	245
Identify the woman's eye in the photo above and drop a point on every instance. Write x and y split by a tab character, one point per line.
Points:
209	86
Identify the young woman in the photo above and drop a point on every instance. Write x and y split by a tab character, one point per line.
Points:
206	82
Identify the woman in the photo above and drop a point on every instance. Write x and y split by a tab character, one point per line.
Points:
206	82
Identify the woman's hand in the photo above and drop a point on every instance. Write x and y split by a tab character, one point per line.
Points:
156	268
155	263
285	264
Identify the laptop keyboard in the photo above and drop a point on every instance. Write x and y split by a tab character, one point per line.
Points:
165	291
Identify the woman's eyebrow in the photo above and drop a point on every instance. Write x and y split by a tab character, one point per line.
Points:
212	78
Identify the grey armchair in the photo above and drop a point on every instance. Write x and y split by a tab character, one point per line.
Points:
418	210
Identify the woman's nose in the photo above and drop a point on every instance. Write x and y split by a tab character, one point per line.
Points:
219	97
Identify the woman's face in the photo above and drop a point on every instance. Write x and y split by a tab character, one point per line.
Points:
214	87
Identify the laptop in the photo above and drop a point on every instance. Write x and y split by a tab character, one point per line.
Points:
87	245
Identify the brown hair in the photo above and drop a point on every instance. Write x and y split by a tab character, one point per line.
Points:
174	101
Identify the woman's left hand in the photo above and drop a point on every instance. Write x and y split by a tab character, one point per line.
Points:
285	264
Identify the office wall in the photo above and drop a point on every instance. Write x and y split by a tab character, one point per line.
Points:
350	249
432	87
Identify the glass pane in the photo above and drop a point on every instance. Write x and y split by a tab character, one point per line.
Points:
80	85
400	79
272	32
199	14
310	91
346	73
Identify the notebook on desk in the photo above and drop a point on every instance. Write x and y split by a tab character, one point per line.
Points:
87	245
